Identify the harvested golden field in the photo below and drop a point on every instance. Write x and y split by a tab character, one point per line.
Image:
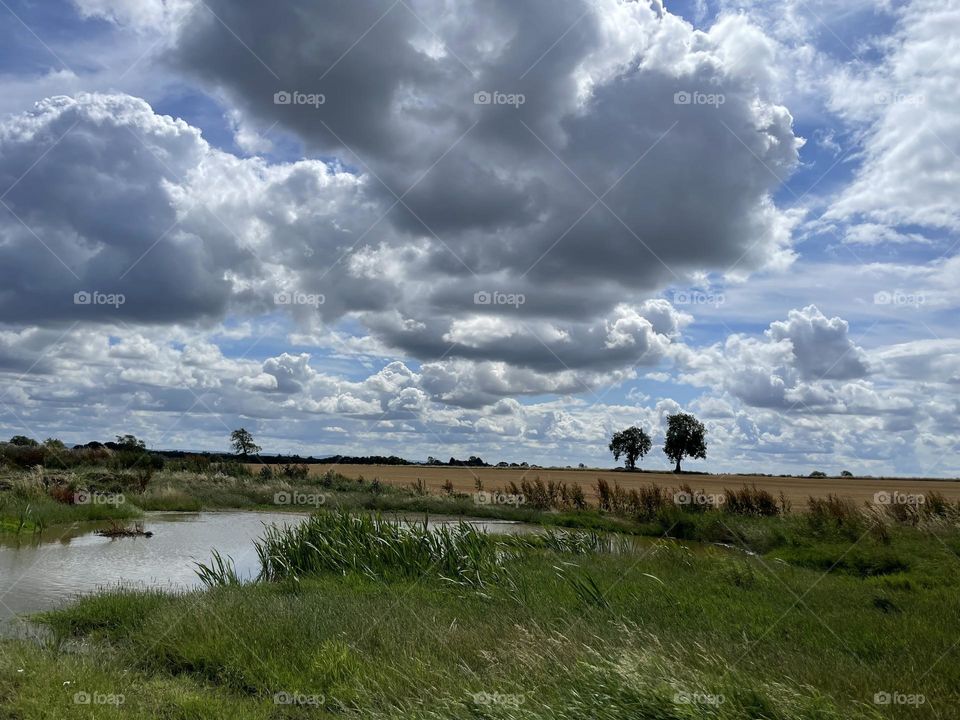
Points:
796	489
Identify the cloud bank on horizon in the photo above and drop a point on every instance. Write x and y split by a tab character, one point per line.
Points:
424	227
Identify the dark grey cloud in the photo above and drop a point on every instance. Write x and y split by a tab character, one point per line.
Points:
504	188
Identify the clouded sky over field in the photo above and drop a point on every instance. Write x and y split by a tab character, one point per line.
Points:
438	227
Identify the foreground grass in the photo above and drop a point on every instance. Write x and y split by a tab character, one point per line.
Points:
362	618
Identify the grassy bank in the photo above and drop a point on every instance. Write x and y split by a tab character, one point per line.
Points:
29	505
359	617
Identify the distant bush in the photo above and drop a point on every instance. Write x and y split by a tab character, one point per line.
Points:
190	463
23	441
24	456
846	474
231	468
129	458
293	472
818	474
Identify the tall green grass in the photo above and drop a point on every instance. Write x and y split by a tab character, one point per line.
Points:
377	547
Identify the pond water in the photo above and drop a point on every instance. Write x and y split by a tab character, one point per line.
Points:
46	571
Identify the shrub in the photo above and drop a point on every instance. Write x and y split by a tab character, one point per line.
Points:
191	463
835	514
577	498
646	502
419	487
295	472
62	494
751	501
642	504
936	506
131	458
232	468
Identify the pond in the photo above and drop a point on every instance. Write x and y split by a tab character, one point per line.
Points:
47	571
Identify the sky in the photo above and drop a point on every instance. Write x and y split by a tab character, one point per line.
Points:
452	228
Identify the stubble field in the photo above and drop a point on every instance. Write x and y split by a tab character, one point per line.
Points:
795	489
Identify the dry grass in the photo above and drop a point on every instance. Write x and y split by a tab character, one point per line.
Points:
796	490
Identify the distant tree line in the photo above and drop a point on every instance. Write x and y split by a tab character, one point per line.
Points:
685	438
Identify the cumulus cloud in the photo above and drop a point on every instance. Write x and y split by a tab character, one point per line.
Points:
137	207
796	363
910	110
516	188
453	271
821	347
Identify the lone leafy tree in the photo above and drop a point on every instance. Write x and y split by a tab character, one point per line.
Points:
130	443
686	437
631	443
243	444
